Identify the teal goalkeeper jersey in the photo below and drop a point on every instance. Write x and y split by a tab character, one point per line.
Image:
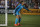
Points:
19	7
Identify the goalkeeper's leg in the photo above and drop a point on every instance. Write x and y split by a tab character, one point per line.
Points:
19	20
17	16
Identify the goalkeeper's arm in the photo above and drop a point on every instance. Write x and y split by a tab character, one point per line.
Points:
26	8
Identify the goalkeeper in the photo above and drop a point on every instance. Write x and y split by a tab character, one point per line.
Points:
17	14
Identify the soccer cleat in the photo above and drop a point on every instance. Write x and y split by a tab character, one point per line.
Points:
19	24
15	25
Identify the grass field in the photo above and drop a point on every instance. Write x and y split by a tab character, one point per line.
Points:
27	21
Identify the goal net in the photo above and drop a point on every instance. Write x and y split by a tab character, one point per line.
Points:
3	15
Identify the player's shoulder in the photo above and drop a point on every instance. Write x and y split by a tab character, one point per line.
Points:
19	4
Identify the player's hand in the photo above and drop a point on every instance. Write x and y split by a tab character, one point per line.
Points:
30	11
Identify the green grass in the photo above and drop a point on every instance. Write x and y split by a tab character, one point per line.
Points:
27	21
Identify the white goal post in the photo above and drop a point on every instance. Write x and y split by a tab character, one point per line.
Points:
5	14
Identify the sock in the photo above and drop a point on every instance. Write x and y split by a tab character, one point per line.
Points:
16	20
19	20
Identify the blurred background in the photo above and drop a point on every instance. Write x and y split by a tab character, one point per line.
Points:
13	3
33	5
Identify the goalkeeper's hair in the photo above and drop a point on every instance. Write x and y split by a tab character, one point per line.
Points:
21	2
26	5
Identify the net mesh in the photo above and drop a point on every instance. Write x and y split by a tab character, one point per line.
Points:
2	18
